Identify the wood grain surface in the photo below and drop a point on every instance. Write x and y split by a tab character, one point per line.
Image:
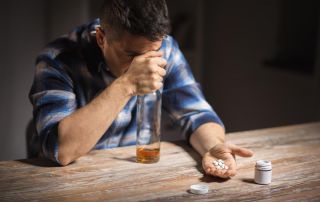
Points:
113	175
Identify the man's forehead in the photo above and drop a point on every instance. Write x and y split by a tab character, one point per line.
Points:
138	44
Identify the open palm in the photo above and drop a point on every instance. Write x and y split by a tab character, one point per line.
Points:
225	152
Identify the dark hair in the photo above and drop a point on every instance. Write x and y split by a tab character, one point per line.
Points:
147	18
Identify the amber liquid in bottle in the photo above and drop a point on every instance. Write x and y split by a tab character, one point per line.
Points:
148	155
148	128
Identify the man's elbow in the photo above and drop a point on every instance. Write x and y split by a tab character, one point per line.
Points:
64	156
64	160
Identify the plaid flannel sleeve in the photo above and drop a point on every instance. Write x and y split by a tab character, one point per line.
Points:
182	97
53	99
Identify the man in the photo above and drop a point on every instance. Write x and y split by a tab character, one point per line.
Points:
86	85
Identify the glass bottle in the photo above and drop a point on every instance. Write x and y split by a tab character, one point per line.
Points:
148	128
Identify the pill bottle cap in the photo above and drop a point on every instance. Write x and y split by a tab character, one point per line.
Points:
199	189
263	165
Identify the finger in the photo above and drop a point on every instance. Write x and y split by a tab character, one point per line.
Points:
149	79
158	70
152	54
149	86
159	61
220	173
157	78
207	170
146	90
143	91
162	72
154	77
160	79
240	151
232	170
156	85
207	164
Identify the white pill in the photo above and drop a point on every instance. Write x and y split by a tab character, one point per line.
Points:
199	189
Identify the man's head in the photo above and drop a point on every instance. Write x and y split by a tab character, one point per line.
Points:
130	28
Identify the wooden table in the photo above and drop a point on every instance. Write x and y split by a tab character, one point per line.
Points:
113	175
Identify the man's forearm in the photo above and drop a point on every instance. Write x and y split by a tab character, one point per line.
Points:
80	131
207	136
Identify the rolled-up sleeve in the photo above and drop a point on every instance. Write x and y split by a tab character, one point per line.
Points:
182	96
53	99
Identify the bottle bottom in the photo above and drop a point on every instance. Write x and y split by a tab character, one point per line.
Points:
148	155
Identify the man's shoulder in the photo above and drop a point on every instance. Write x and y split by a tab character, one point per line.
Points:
74	44
169	41
60	45
169	46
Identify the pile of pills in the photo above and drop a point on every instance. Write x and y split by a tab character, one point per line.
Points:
219	164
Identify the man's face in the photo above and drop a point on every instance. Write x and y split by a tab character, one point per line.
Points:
120	52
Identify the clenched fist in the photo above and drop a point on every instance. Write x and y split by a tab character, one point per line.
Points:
146	72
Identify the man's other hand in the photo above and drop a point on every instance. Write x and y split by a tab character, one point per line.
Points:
227	153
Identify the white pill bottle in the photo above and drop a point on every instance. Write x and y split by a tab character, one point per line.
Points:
263	172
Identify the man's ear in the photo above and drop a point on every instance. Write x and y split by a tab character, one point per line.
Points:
100	37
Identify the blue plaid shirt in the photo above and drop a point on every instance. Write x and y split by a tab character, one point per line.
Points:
71	71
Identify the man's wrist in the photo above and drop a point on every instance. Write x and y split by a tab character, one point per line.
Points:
207	136
214	143
125	86
212	147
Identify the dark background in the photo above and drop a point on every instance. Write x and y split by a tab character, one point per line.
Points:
257	61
